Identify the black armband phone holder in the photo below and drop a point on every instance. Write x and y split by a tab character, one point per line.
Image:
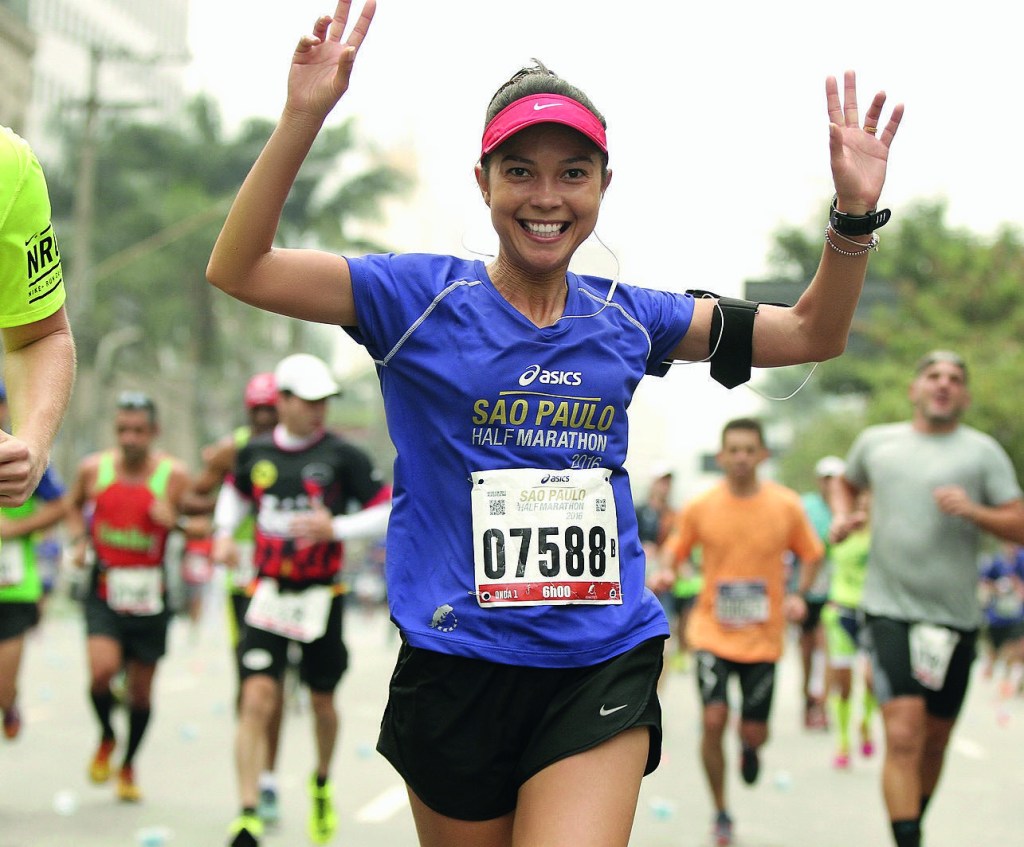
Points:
732	338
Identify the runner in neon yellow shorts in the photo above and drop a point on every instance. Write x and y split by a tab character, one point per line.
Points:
842	619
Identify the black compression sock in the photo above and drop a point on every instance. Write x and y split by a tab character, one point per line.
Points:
925	800
103	703
138	720
907	833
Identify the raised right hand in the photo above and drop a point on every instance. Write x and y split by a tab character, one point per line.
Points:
322	62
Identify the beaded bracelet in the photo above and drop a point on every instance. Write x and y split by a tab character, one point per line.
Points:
865	248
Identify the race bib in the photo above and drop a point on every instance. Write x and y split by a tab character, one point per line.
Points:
12	563
741	603
931	648
298	615
545	538
135	590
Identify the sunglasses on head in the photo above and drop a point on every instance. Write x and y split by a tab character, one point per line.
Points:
135	400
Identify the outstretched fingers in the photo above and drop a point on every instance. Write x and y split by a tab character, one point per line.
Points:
850	99
340	21
362	26
842	112
889	132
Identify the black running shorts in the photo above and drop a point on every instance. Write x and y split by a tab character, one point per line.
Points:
17	618
324	661
465	734
757	684
888	644
143	638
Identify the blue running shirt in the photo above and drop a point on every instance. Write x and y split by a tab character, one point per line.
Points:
470	384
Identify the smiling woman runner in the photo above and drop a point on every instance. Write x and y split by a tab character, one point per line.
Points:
531	648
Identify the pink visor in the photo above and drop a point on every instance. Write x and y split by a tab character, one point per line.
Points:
542	108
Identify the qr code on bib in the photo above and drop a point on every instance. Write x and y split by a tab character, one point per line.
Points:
497	507
601	505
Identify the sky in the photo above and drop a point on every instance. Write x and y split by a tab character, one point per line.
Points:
717	127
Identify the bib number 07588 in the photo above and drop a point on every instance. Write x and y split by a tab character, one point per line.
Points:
578	551
543	537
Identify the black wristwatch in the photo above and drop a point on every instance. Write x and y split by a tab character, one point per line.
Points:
846	224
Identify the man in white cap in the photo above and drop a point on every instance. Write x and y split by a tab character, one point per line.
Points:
298	480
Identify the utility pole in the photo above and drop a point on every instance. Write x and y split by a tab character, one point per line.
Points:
89	398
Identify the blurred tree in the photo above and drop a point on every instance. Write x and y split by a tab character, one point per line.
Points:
946	288
162	193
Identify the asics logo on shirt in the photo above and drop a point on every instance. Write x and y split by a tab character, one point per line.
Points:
538	374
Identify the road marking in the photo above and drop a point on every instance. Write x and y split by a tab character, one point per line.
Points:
384	806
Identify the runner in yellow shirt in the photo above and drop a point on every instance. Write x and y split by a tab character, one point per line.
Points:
39	353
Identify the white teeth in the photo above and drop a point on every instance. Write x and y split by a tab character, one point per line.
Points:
543	229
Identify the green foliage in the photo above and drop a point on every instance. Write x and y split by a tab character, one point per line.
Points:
161	195
949	288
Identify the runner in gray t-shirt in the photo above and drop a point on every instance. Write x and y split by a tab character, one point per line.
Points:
937	486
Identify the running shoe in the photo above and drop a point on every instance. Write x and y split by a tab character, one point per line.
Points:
245	831
268	809
867	746
814	716
12	722
842	761
750	765
127	789
722	829
99	767
323	820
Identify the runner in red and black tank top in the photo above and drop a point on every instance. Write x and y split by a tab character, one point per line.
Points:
123	530
132	495
285	484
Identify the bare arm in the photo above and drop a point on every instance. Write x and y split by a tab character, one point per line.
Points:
47	514
39	370
1005	521
77	498
817	326
306	284
219	460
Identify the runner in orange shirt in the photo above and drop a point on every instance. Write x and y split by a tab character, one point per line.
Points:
745	526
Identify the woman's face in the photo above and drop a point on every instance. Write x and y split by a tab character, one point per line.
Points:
544	187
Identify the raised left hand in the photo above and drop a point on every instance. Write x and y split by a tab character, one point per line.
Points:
858	154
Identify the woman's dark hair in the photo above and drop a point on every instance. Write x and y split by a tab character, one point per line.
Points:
537	79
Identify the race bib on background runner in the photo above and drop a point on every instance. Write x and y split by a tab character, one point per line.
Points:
741	603
545	537
135	590
931	648
299	615
12	563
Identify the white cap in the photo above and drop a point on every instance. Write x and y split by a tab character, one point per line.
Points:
305	376
830	466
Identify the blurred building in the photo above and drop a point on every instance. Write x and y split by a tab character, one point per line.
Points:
58	55
17	44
